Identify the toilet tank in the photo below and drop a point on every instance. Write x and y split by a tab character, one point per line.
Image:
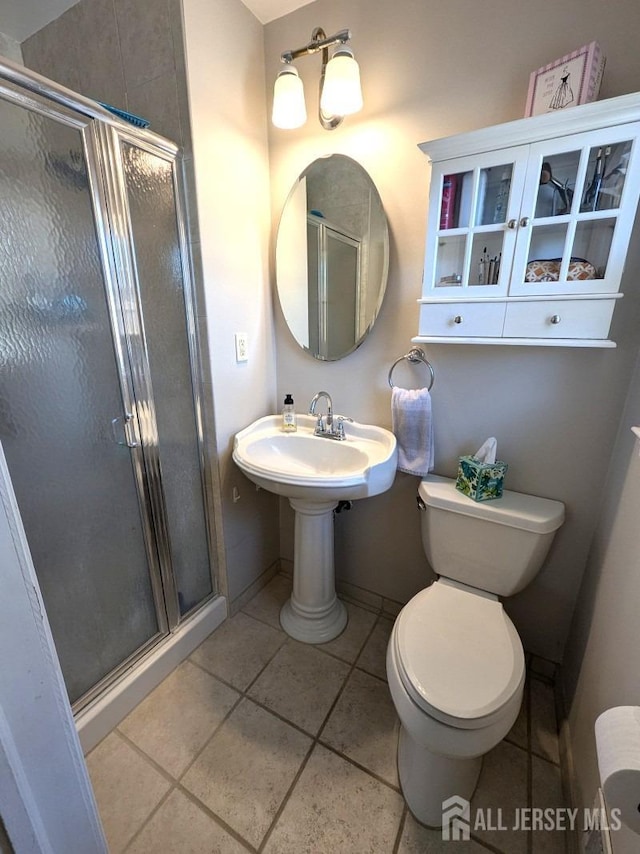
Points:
497	546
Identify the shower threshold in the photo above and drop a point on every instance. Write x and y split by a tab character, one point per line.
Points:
97	719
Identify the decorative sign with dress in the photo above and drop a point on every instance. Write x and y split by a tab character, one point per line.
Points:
571	80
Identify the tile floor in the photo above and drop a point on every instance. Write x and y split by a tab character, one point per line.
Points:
260	743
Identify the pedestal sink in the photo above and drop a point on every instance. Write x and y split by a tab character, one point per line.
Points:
315	473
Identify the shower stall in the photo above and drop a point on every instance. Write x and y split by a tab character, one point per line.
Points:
101	413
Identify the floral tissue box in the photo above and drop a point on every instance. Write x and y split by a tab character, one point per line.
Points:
480	481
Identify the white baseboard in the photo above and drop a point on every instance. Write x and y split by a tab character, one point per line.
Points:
98	719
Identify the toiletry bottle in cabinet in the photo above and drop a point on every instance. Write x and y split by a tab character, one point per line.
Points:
447	209
289	424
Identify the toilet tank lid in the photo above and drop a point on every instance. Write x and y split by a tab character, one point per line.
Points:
515	509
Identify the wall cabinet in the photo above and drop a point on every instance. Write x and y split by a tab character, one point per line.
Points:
529	225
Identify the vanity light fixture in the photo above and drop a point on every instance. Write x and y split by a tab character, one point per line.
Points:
340	92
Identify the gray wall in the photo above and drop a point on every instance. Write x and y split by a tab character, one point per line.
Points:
429	71
10	48
601	665
225	71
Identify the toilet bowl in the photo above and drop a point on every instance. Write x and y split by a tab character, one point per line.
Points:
455	662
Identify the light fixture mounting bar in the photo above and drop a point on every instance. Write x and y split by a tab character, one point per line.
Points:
319	41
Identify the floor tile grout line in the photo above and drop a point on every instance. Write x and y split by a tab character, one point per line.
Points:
352	667
545	758
571	842
280	717
315	742
244	695
287	797
144	755
488	846
178	785
398	839
215	817
529	702
216	729
360	767
224	681
369	673
153	812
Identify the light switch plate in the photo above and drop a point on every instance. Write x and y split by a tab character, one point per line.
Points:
242	354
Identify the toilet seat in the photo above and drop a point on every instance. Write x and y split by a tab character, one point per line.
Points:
458	654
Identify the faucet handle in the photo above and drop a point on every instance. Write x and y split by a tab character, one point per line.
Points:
320	428
339	427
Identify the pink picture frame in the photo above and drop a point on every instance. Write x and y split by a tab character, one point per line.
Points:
571	80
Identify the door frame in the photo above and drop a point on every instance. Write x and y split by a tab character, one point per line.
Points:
46	799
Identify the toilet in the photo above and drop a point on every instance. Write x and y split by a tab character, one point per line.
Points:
455	662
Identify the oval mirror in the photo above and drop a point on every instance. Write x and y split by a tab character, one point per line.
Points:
332	257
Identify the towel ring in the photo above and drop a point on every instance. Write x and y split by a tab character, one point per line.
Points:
414	355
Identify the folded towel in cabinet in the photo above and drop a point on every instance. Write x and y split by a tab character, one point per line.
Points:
413	427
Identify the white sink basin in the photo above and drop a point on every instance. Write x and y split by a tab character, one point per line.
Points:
315	473
301	465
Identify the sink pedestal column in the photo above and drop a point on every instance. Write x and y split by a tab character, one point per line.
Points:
313	614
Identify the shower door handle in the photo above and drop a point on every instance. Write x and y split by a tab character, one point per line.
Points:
125	438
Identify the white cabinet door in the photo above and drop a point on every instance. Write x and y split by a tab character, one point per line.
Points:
577	213
469	247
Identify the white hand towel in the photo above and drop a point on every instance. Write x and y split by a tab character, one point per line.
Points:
413	427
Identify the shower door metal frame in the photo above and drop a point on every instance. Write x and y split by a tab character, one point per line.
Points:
127	295
112	137
100	132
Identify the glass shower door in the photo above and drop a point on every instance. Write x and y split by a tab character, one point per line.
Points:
68	423
166	342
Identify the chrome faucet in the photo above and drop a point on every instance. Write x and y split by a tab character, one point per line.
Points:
320	426
328	429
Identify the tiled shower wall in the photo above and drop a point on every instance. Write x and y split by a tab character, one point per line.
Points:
127	53
130	54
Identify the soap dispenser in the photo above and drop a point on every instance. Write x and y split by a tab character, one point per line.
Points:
289	424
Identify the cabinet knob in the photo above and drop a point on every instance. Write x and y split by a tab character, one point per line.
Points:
524	222
555	319
457	318
512	223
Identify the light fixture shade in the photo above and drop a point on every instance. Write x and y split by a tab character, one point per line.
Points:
341	93
289	110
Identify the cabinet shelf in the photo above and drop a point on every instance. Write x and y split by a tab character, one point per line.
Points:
517	342
533	298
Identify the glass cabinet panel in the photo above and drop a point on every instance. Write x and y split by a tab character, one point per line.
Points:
450	261
606	172
469	236
493	197
557	184
591	249
478	197
455	200
567	245
486	255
